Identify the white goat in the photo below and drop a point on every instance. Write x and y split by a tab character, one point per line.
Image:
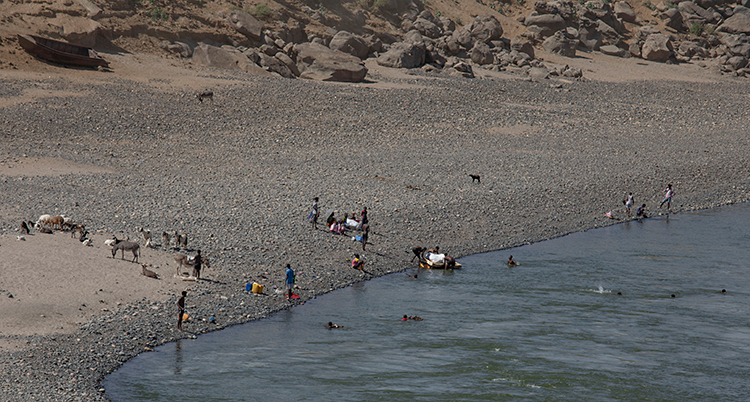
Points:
42	220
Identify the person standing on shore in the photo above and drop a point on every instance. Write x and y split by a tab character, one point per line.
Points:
197	265
668	193
314	214
180	309
365	235
289	281
365	220
629	203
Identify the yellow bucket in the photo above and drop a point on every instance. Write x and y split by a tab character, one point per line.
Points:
257	288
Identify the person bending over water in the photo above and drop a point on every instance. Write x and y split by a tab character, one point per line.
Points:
641	212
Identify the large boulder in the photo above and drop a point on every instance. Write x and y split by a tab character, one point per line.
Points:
673	19
226	58
245	24
427	28
522	45
486	28
318	62
407	54
275	65
736	62
463	37
693	13
349	43
624	12
544	24
481	54
739	22
288	62
589	35
639	38
691	49
562	44
657	47
737	45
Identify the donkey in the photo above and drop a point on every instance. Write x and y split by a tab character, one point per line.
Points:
126	245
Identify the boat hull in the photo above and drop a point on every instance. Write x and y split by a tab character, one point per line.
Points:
61	52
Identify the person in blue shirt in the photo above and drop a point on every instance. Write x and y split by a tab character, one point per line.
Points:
289	280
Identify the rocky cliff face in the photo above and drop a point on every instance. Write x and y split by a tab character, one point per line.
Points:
262	37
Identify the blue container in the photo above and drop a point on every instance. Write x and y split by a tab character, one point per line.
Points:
248	287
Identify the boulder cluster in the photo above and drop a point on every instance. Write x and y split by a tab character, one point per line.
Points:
692	31
431	43
695	30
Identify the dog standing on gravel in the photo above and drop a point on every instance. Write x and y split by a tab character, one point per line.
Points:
205	95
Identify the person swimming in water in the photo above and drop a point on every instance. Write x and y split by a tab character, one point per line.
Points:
333	326
511	262
406	318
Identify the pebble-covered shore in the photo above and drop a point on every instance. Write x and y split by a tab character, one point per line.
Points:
238	176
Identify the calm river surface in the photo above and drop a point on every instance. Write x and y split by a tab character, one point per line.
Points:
553	328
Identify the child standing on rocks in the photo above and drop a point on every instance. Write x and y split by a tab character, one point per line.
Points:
668	193
181	310
629	203
289	280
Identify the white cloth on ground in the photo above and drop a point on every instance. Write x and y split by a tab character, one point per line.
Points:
436	258
352	224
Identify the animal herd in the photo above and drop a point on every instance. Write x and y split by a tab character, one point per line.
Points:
47	223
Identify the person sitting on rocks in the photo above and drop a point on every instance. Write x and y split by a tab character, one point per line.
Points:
330	220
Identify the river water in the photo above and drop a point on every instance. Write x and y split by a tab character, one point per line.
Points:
552	328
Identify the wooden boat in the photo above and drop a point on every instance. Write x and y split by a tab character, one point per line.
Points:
428	264
60	52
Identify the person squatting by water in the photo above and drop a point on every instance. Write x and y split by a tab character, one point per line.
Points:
641	212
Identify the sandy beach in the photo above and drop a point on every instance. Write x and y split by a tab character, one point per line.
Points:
237	174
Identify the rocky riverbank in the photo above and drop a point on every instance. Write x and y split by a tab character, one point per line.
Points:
238	174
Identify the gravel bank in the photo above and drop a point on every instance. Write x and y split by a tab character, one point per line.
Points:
238	175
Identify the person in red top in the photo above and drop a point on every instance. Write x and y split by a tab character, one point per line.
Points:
406	318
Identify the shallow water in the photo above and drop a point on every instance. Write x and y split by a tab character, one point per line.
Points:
553	328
